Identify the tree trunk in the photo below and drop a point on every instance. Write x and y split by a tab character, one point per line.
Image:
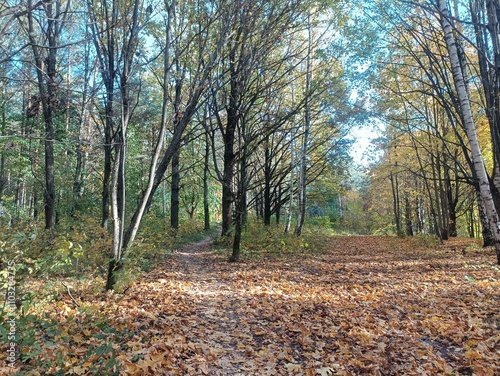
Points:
452	201
47	86
302	187
227	190
239	208
289	213
206	207
419	224
437	202
395	204
470	129
305	141
176	177
78	180
114	268
470	222
118	186
489	73
105	48
408	221
257	200
235	256
441	195
3	179
278	205
174	192
229	161
486	232
3	128
81	155
105	200
267	184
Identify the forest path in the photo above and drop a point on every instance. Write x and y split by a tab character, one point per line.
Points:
211	311
366	305
217	315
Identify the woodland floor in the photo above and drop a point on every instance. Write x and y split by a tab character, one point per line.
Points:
367	306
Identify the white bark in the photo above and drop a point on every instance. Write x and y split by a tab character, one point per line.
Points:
163	129
290	185
469	125
307	127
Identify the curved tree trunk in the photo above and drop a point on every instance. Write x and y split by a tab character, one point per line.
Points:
469	125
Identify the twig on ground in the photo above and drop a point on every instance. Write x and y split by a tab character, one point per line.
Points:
71	296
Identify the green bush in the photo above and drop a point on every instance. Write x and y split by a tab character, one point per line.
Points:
76	248
319	225
259	240
424	240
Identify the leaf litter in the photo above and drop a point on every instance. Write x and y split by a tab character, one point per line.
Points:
368	305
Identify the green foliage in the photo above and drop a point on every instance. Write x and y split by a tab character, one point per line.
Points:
259	241
190	231
62	259
472	247
320	225
387	229
423	240
153	244
77	247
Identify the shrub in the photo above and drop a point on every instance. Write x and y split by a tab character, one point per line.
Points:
259	240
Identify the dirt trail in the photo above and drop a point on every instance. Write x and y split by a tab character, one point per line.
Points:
212	314
220	318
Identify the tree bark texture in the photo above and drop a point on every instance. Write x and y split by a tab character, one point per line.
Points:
174	191
46	69
469	125
302	194
206	170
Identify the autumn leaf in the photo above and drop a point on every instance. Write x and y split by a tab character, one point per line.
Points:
79	370
293	368
325	371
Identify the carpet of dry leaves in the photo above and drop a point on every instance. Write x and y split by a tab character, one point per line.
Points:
367	306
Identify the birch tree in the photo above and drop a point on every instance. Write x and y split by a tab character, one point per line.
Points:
201	54
469	125
302	185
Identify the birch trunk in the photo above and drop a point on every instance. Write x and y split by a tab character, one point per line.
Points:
470	129
307	125
290	188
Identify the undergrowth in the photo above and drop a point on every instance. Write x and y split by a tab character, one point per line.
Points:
70	265
259	241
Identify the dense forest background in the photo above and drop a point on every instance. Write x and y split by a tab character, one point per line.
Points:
125	122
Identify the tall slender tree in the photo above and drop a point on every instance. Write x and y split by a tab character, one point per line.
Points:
469	125
44	24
